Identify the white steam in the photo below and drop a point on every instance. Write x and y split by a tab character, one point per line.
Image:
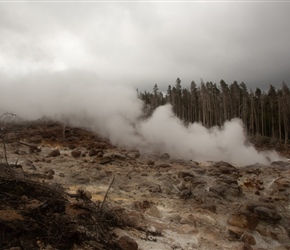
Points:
114	112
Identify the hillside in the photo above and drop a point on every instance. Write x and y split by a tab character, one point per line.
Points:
67	188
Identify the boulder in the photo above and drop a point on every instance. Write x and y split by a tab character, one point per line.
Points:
71	146
100	154
104	160
184	174
54	153
225	168
49	171
282	183
127	243
267	214
211	207
93	152
185	194
76	153
246	246
235	232
119	156
164	156
150	162
163	165
134	154
84	194
244	220
227	179
248	238
224	190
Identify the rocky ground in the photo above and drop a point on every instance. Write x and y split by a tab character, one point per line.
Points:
67	188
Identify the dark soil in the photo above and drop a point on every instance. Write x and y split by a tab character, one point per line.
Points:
34	215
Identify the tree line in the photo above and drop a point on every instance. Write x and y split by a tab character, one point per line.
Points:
264	113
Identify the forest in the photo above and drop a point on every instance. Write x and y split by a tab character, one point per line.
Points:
265	114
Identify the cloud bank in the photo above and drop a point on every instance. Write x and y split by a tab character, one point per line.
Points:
148	43
80	99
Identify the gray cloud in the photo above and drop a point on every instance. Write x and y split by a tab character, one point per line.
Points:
139	43
77	62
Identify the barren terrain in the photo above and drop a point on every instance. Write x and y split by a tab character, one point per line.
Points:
88	194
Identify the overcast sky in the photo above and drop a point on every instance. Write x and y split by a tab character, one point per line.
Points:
141	44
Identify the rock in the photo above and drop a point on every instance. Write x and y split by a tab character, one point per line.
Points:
127	243
164	156
234	190
287	228
100	154
119	156
282	182
142	205
163	165
46	160
153	211
47	135
244	220
181	186
219	189
49	171
200	171
101	145
155	189
246	246
76	153
185	194
185	174
188	219
133	218
282	164
267	232
49	176
133	154
54	153
211	207
154	231
150	162
84	194
104	160
71	146
267	214
225	168
93	152
235	232
249	239
188	229
36	140
224	190
61	175
24	198
146	204
227	179
82	179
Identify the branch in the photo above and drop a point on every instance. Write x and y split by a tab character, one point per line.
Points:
105	197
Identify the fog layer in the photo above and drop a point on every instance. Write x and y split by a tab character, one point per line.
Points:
115	112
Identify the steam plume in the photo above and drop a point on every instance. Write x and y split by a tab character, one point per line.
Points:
114	112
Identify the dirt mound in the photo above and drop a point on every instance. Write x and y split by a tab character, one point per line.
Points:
36	215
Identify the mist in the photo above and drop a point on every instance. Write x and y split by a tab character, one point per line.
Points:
82	99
